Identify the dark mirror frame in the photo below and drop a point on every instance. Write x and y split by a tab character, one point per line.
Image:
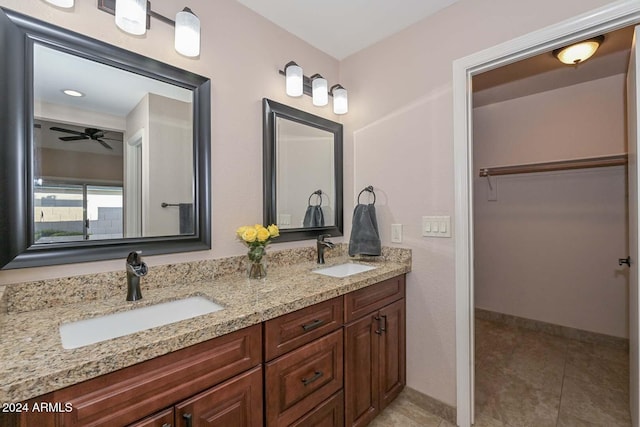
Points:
270	111
18	33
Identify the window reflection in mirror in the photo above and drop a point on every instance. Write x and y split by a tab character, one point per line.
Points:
305	179
106	162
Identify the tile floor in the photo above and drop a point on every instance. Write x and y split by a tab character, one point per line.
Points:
402	412
527	378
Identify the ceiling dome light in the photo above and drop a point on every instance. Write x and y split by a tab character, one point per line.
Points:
187	36
72	92
131	16
294	79
319	90
61	3
579	52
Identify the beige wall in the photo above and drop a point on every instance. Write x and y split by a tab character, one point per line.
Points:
398	134
399	138
79	165
547	248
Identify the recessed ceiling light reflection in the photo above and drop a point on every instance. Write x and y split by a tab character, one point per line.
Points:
72	92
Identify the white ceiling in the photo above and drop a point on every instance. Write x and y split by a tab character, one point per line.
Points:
107	89
343	27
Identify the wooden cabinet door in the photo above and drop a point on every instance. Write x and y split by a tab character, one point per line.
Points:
361	345
392	357
234	403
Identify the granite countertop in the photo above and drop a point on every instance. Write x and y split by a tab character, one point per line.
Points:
33	362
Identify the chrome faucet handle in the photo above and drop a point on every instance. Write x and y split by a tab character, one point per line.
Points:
321	237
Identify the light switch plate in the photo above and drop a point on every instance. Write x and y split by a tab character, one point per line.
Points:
396	233
436	226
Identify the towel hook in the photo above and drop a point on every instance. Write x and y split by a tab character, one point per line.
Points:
317	193
370	190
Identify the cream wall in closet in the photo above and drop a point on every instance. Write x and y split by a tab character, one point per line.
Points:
547	248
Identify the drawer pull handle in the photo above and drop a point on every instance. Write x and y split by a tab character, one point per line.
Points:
380	329
311	326
384	328
187	419
166	425
316	376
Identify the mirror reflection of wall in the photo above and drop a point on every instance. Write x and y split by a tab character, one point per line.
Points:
305	164
122	140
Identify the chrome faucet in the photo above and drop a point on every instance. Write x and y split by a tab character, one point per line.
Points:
135	270
321	245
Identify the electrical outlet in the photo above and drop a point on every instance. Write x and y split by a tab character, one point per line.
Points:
396	233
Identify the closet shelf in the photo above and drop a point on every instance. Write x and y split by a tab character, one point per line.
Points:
590	162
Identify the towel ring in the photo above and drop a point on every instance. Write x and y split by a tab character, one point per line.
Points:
370	190
317	193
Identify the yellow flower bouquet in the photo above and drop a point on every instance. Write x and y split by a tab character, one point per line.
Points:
256	238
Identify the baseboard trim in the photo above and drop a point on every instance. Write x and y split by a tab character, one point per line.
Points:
432	405
551	329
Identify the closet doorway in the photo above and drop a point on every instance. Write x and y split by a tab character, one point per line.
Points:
550	222
609	18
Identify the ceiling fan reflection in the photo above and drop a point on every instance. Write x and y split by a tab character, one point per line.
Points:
92	134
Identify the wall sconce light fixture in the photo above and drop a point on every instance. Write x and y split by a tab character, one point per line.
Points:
340	99
61	3
134	17
297	84
319	90
294	79
577	53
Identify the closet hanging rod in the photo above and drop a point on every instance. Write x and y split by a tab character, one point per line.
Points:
590	162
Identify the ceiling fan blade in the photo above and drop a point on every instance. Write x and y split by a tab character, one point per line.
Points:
75	132
72	138
112	139
104	144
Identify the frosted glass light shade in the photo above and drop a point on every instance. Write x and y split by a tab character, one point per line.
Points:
61	3
294	78
319	90
340	100
187	37
131	16
579	52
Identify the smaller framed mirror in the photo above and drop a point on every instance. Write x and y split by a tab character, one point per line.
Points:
302	172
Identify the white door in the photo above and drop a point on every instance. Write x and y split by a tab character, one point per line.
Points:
633	120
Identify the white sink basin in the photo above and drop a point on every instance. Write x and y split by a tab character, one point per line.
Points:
343	270
90	331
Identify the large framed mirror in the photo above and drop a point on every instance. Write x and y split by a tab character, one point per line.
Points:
103	151
302	172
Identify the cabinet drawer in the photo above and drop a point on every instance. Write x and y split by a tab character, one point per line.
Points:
300	380
161	419
124	396
329	413
372	298
292	330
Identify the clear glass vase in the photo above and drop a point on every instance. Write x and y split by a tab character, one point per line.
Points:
257	268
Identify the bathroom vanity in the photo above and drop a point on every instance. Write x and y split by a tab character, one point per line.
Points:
299	348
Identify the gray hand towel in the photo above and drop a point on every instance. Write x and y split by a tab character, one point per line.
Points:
185	212
313	217
365	239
